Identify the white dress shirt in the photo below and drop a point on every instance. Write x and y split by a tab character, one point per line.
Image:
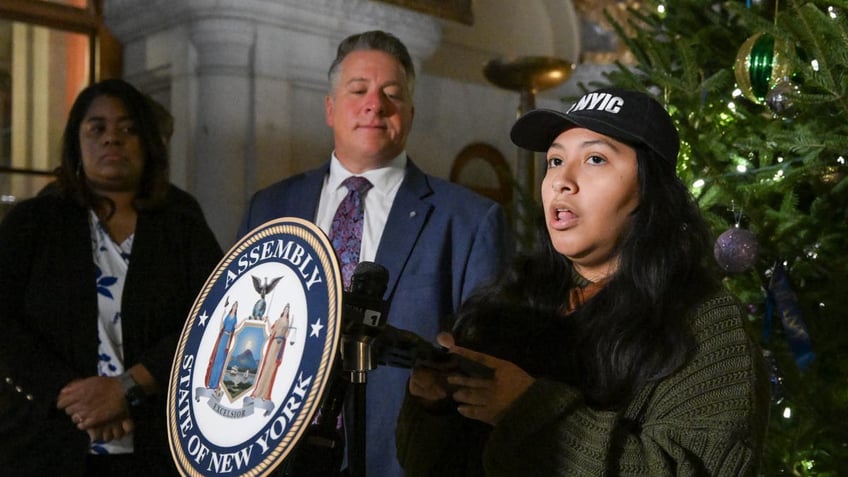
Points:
378	200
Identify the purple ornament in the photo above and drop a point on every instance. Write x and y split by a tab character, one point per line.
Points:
736	250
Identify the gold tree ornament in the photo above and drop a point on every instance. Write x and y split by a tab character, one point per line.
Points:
762	61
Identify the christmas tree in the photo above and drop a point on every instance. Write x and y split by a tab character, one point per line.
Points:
758	92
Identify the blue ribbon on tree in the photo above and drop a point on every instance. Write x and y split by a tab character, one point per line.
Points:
781	298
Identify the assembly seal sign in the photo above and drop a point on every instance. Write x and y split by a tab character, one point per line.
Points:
256	352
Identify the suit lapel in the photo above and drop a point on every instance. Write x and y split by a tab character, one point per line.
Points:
407	217
308	195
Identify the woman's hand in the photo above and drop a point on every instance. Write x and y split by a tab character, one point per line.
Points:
93	402
484	399
112	430
427	384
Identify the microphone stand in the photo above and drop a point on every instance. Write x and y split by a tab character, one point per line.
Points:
357	360
363	320
322	449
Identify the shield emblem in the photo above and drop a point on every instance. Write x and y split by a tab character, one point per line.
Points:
230	365
243	361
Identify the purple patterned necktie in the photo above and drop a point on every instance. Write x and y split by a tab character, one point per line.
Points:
346	231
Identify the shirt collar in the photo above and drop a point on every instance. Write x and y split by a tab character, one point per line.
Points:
382	179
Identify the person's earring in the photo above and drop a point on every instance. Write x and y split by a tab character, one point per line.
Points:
79	170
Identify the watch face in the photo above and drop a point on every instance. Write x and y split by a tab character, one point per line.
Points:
136	395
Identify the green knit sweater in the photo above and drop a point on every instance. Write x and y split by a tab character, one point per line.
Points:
707	419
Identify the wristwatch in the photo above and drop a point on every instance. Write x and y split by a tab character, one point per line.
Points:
132	390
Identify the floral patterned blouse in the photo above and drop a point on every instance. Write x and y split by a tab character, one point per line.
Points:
110	263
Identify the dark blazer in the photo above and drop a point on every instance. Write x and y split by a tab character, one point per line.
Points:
440	242
48	321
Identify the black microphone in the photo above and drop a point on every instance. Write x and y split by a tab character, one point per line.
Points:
321	451
404	349
369	279
364	315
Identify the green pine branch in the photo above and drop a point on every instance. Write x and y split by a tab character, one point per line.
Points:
782	175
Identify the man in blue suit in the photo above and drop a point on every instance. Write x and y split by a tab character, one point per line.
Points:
437	240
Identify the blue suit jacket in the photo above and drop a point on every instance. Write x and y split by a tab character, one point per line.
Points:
440	242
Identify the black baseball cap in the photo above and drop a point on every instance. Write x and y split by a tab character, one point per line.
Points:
629	116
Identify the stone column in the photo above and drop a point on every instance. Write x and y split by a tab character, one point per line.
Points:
223	133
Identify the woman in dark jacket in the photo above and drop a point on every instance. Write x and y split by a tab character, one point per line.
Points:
615	350
97	276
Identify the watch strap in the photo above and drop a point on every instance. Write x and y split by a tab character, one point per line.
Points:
133	391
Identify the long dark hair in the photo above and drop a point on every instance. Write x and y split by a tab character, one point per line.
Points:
154	179
634	330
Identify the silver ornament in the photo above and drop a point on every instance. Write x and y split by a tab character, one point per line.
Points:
780	98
